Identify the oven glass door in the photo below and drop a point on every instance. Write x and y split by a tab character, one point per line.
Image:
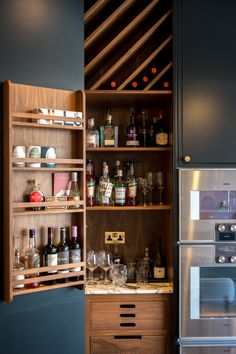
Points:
207	294
211	349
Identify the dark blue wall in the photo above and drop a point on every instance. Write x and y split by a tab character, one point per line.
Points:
41	43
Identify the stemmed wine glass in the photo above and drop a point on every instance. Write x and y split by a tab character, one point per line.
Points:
105	262
92	263
160	179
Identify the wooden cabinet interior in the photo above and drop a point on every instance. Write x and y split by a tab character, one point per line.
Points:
142	225
22	128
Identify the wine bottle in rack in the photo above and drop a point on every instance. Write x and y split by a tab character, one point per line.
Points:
63	254
75	252
50	256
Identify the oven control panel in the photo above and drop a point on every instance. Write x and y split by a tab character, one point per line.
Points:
225	236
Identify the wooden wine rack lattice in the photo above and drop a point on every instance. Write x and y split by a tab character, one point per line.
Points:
123	39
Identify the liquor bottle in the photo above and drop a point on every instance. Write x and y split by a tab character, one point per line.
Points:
109	132
90	184
74	252
33	194
131	132
17	265
133	85
74	192
131	191
92	135
120	189
147	262
50	257
161	134
159	267
142	131
63	254
151	132
104	189
32	259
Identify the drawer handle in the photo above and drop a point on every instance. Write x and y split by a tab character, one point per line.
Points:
127	306
127	324
128	337
127	315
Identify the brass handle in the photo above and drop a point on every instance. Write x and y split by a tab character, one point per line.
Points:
187	158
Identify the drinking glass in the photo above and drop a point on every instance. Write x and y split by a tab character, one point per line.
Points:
150	187
160	181
92	263
119	274
105	263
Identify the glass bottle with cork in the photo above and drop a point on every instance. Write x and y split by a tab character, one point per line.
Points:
159	271
131	181
105	187
90	184
120	189
32	259
74	192
74	252
92	135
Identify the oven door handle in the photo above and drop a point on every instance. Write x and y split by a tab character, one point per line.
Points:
194	292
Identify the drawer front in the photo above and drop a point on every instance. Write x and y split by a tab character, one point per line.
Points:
131	315
128	345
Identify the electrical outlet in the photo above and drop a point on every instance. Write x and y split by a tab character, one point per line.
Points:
114	237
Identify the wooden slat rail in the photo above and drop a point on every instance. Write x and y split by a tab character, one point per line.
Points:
115	16
94	10
43	160
34	116
152	83
47	287
145	63
130	52
43	204
46	269
114	42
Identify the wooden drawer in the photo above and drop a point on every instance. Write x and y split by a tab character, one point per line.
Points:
128	345
135	315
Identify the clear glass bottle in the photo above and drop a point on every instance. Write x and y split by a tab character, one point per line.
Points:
32	259
90	184
131	182
33	194
120	189
74	192
63	254
142	131
92	135
108	133
104	191
159	265
17	265
50	257
75	252
131	131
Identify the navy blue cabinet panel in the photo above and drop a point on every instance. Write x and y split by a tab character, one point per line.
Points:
206	81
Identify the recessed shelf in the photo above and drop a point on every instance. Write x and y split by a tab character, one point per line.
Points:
128	208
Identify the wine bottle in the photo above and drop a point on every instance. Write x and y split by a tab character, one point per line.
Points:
50	257
161	131
32	259
159	267
74	252
108	132
92	135
131	191
131	132
142	131
63	254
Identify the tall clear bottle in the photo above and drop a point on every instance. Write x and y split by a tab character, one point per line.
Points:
32	259
63	254
75	252
104	191
17	265
92	135
90	184
50	257
108	132
74	192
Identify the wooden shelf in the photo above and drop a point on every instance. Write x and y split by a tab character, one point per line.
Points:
128	208
47	287
48	169
129	149
44	160
48	126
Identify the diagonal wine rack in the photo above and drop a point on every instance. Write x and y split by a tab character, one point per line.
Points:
124	40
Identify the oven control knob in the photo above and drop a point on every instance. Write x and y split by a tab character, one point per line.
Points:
232	259
221	227
233	227
221	259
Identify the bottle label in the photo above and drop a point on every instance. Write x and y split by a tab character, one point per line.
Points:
91	139
132	143
109	142
132	189
35	196
120	195
161	138
63	258
159	272
90	189
75	257
108	190
51	260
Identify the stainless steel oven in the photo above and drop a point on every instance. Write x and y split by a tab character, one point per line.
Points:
205	197
214	348
207	260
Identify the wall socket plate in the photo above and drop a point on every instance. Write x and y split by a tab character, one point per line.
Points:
114	237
